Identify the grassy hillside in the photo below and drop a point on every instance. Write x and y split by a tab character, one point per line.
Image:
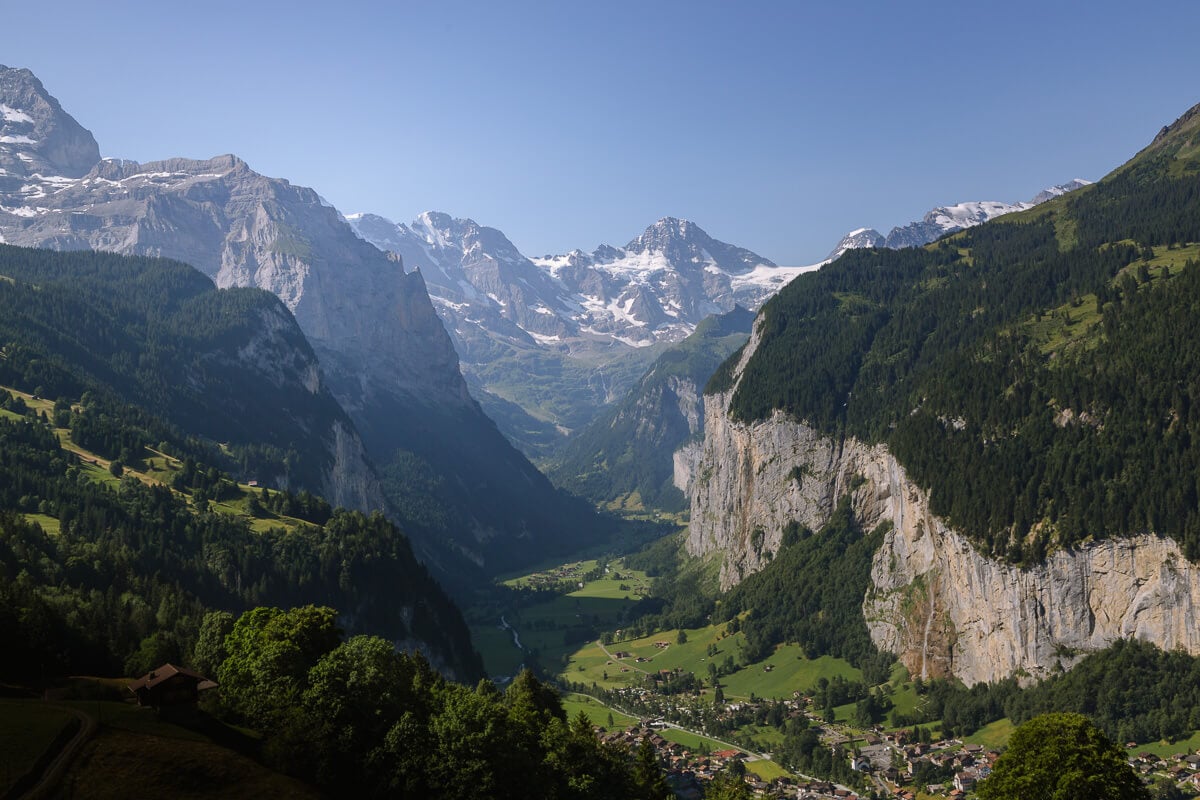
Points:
120	764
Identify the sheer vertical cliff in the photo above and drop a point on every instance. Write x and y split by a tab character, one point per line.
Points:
944	608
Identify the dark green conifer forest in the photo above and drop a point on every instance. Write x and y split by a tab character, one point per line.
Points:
1035	374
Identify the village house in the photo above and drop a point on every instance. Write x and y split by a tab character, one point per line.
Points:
965	781
169	686
860	763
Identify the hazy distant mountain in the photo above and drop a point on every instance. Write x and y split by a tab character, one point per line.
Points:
384	352
626	455
549	341
945	219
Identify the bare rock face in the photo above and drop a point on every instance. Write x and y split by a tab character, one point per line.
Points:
944	608
948	610
351	481
36	135
371	325
244	229
275	351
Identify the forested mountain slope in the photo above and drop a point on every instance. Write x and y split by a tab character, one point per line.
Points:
1027	384
228	366
120	529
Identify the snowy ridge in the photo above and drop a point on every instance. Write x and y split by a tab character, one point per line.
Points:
946	219
656	288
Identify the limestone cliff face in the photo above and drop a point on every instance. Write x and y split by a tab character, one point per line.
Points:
944	608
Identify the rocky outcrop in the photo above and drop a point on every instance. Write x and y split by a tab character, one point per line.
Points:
943	607
36	136
946	609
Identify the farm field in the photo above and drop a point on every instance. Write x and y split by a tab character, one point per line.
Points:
596	711
49	525
784	672
552	627
777	677
993	736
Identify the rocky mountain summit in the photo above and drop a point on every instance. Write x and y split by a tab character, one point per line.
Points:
383	350
36	136
946	219
578	320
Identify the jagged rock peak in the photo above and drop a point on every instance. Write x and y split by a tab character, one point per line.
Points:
36	135
117	169
465	234
683	241
1060	189
857	239
665	231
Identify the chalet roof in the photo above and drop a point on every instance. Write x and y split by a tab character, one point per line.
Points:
166	672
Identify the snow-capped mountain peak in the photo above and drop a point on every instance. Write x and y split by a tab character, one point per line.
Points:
1060	189
37	137
656	288
946	219
857	239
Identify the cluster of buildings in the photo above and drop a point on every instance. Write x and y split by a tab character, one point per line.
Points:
1182	768
553	579
893	759
688	772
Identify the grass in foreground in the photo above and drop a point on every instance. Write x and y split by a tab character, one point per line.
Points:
26	729
120	763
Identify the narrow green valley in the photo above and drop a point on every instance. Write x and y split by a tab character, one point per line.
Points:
300	501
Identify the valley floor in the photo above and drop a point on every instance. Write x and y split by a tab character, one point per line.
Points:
665	686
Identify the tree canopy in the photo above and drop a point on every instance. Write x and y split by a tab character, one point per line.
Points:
1062	757
360	719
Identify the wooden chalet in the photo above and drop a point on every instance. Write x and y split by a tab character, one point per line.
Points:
168	686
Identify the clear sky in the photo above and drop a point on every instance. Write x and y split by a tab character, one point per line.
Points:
776	126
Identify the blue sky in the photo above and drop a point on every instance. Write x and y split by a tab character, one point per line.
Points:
776	126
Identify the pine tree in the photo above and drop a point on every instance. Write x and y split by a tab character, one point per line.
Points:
648	780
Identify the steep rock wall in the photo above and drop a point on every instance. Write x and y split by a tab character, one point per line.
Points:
944	608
